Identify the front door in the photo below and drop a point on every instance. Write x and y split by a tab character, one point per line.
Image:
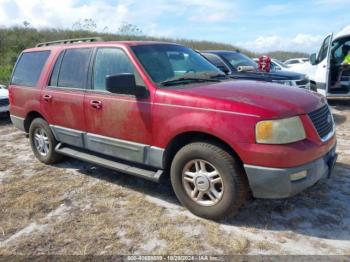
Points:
117	125
322	69
62	99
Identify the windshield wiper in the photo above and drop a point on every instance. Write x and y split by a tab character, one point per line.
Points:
184	79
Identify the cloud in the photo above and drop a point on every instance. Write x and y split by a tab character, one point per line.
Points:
211	11
154	17
61	14
274	9
300	42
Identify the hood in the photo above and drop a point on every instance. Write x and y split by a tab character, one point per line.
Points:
269	76
4	93
249	97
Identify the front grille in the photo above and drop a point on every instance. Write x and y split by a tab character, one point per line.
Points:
302	82
322	120
4	102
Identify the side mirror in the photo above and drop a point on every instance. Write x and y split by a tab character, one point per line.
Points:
313	59
125	84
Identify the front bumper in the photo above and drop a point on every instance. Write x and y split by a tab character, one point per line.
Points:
266	182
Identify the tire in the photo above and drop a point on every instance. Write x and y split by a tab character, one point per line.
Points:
233	189
41	128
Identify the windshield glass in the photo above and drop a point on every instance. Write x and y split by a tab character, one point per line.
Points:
239	59
167	61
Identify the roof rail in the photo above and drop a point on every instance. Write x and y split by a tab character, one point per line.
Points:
70	41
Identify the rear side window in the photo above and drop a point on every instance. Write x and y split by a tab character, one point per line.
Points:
56	70
29	67
73	68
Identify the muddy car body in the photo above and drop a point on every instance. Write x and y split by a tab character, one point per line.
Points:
149	109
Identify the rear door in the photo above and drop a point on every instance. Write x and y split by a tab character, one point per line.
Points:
118	125
62	99
323	65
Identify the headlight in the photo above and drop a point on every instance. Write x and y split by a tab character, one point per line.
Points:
283	82
282	131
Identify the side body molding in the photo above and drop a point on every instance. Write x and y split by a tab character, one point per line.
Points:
68	136
123	149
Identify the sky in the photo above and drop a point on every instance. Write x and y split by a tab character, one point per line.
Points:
256	25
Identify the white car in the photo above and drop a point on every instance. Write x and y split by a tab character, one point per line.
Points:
295	61
331	77
4	99
304	68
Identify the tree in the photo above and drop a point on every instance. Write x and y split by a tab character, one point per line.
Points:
86	24
26	23
129	29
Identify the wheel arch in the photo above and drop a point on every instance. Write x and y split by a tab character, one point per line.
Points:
185	138
29	119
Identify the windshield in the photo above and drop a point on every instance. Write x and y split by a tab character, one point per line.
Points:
239	59
167	61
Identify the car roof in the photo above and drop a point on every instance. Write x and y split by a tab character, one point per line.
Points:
344	32
97	44
218	51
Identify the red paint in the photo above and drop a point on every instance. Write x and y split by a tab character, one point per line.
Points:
228	110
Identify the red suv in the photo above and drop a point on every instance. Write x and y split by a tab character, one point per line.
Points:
151	109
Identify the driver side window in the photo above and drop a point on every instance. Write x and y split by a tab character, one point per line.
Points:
324	49
112	61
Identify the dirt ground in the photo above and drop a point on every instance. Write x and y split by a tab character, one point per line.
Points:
78	208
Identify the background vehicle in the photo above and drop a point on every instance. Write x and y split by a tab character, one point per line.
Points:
230	61
328	65
145	108
302	68
4	99
294	61
276	65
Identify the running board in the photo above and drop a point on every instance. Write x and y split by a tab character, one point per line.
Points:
101	161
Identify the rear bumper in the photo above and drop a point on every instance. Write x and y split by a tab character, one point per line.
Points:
266	182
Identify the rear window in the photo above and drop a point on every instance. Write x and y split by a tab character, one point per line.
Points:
29	67
74	68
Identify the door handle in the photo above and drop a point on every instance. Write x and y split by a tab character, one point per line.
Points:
96	104
47	98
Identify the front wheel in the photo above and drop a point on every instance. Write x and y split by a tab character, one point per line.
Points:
43	142
208	180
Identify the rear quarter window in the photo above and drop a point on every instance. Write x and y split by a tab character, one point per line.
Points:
28	68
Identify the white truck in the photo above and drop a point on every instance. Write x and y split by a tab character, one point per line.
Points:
331	76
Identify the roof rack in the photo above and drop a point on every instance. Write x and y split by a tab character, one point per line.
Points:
70	41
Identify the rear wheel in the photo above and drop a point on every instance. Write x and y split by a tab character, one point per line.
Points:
43	142
208	180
